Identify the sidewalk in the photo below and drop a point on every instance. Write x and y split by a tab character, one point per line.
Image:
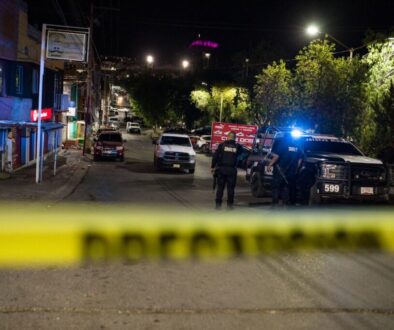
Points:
71	169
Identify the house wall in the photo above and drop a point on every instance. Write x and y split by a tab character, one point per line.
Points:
8	29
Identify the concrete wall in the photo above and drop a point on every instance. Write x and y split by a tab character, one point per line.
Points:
29	43
9	29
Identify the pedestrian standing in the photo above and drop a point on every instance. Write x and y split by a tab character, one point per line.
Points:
286	159
224	166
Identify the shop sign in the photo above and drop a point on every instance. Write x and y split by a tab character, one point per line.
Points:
46	115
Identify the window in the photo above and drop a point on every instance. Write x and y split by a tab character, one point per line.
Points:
337	147
1	79
19	79
175	140
34	82
110	137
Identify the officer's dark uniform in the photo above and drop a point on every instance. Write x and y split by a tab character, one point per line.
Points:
286	169
224	161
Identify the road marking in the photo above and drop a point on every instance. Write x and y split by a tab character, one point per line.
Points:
174	311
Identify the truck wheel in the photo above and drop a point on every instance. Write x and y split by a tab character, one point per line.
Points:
314	197
256	186
191	171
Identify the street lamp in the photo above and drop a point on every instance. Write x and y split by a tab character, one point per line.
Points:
246	67
313	30
207	56
149	60
185	64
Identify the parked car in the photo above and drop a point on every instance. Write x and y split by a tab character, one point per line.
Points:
109	144
104	129
193	140
206	130
133	127
114	122
204	143
174	151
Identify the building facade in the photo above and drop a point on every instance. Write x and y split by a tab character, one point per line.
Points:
20	45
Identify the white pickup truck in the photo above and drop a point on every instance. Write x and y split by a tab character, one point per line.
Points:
174	151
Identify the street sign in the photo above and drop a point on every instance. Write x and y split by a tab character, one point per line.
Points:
67	45
46	115
245	134
57	43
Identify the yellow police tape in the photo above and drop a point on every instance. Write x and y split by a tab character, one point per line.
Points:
63	236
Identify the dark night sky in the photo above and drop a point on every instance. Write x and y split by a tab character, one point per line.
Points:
165	28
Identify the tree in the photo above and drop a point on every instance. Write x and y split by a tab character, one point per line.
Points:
316	82
330	91
378	128
233	102
380	59
151	96
385	117
181	109
246	64
273	92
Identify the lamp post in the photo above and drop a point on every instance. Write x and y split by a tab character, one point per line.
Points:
313	30
246	67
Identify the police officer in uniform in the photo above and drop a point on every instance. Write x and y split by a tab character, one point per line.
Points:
286	159
224	166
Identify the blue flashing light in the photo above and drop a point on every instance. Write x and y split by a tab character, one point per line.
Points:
296	133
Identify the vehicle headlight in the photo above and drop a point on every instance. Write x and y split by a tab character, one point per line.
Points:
333	171
192	157
120	148
99	147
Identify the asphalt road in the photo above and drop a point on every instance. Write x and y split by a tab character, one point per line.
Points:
135	181
324	290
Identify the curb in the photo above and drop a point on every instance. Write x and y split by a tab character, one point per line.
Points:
79	171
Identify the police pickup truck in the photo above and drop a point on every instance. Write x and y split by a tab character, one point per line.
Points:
332	168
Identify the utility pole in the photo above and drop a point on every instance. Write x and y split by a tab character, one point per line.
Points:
221	106
88	101
39	148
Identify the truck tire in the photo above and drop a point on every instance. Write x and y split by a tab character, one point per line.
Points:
256	186
191	171
314	197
